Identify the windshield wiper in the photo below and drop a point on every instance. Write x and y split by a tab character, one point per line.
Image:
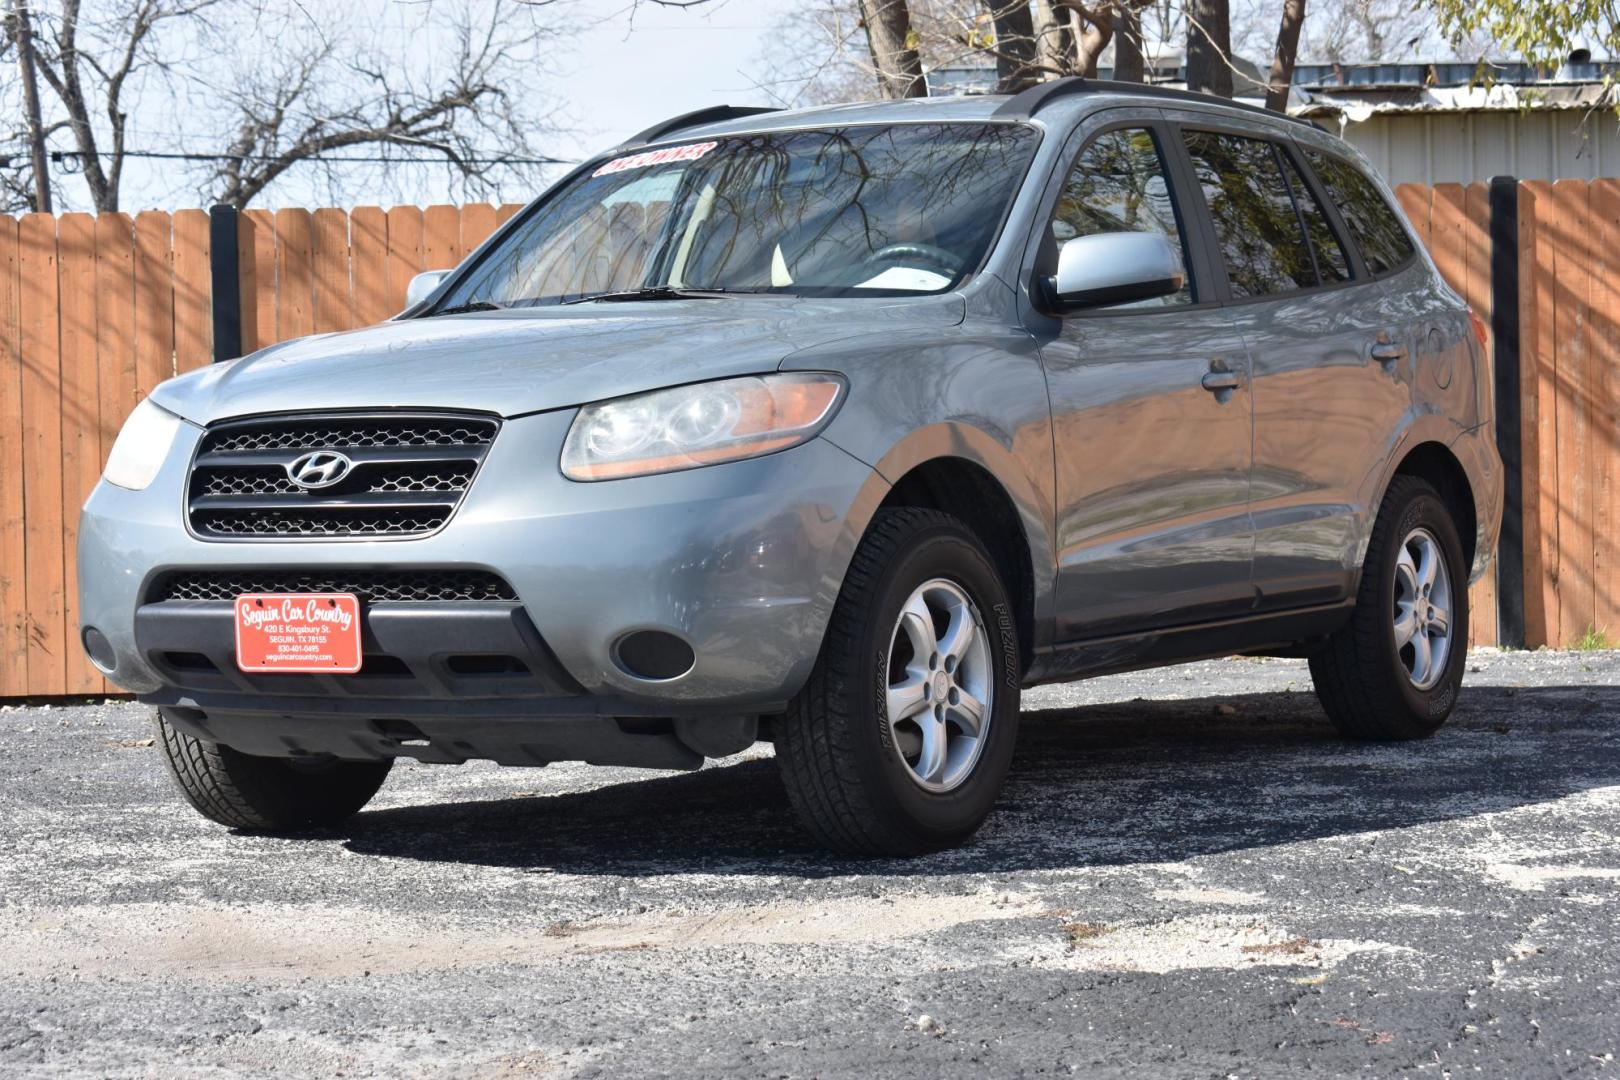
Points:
473	305
651	292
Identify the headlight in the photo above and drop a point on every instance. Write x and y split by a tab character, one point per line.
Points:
141	447
701	424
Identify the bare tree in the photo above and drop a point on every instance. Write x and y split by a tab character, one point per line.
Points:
20	31
892	41
332	94
1026	40
1351	31
88	64
1014	45
1129	63
1209	47
818	56
1282	62
1054	37
1068	37
329	90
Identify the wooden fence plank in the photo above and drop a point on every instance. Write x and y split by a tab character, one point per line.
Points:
1572	298
1415	200
247	274
13	558
1536	409
96	259
334	302
1605	334
42	454
1447	219
294	288
368	254
404	252
264	278
192	292
1477	268
506	210
148	328
79	419
478	220
441	237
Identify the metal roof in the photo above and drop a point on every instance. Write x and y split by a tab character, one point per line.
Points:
1357	103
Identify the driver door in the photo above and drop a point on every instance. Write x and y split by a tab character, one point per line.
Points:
1151	411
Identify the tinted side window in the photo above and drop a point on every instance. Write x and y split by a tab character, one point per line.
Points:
1376	228
1255	222
1331	262
1118	185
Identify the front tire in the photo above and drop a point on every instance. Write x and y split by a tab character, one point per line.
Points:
901	740
263	793
1393	672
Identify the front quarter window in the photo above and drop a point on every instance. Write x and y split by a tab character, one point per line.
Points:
865	210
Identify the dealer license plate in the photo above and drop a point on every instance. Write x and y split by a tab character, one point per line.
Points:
298	632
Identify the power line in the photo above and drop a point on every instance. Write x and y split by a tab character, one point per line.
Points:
60	156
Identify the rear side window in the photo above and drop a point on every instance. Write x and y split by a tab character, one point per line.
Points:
1118	185
1260	235
1331	262
1375	226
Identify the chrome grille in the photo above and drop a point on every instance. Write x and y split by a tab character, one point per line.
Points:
371	586
407	474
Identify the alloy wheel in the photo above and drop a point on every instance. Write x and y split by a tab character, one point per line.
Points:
940	685
1422	609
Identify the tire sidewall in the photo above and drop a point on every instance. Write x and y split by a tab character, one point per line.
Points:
940	551
1426	511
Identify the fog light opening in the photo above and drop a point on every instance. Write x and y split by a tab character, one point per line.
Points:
654	655
100	650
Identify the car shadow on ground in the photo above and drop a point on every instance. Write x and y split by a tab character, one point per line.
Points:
1109	784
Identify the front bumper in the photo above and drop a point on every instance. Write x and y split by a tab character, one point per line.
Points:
743	561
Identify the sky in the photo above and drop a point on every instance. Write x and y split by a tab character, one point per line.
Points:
631	74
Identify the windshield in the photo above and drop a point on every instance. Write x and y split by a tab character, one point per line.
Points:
848	211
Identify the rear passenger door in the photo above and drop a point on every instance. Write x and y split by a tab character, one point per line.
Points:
1330	378
1150	408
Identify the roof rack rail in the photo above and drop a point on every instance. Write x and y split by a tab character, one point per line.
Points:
1028	102
714	114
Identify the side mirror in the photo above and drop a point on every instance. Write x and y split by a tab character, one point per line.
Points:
1115	268
422	286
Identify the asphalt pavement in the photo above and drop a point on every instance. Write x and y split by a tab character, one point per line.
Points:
1188	876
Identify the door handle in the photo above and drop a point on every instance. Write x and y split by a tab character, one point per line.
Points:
1216	381
1387	352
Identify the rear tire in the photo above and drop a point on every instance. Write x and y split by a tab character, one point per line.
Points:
920	582
266	794
1390	674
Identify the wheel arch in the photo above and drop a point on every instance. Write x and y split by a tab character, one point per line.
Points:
967	490
1434	462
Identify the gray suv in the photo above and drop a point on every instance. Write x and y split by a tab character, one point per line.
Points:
833	428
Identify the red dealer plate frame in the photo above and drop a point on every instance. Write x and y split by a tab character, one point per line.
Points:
298	633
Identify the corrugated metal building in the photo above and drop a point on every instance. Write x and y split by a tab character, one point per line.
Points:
1425	124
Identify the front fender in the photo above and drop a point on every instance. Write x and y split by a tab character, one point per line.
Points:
975	394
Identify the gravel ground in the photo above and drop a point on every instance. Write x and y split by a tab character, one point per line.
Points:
1187	876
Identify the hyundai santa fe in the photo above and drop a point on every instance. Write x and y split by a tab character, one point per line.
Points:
833	428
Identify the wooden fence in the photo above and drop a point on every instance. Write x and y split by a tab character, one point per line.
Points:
95	311
1569	397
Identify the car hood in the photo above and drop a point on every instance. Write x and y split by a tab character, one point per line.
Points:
530	360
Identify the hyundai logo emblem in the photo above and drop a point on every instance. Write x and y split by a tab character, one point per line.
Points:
321	469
